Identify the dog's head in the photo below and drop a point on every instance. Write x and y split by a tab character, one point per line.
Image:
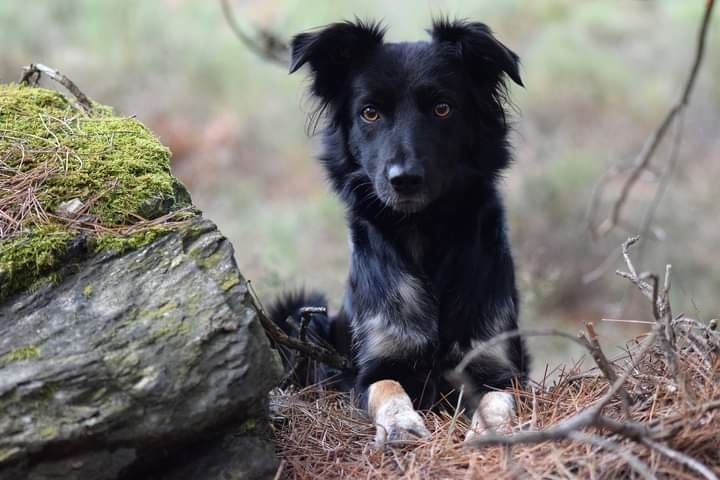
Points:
409	120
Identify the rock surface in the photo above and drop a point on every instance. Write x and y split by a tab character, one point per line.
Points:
145	364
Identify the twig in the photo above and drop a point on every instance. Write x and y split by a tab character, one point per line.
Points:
604	365
662	311
680	457
638	465
456	413
317	352
306	314
503	337
662	187
269	46
281	467
643	161
33	72
588	417
648	433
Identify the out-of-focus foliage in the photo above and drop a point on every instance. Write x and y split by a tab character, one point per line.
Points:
599	77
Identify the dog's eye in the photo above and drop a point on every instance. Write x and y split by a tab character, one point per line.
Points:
370	114
442	110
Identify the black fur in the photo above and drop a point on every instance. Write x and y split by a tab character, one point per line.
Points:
431	267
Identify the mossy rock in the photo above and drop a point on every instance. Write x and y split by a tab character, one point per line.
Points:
54	153
129	341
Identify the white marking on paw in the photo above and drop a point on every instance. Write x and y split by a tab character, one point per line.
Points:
495	413
397	421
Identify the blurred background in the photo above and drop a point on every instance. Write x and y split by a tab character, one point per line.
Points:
599	75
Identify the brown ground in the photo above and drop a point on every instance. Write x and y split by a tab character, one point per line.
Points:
321	435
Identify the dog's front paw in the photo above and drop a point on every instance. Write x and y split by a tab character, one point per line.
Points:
494	414
397	423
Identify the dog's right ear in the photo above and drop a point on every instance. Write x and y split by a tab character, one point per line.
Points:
332	51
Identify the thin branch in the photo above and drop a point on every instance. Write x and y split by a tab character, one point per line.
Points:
588	417
505	336
33	72
647	434
604	364
268	46
635	463
275	333
651	145
306	314
662	187
680	457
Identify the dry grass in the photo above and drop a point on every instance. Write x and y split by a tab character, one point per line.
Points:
18	195
321	435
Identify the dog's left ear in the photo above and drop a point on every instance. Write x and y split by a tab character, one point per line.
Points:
481	52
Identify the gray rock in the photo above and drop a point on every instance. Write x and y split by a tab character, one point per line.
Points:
154	350
69	208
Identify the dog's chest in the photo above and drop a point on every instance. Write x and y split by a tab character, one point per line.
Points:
414	246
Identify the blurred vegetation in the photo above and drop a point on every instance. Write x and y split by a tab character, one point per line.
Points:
599	77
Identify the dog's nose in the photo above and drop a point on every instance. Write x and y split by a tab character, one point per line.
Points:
405	180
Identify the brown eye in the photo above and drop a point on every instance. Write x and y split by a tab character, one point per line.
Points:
441	110
370	114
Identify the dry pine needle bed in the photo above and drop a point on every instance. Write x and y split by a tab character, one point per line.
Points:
321	435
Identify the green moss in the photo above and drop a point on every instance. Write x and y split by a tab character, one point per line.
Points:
248	426
48	431
99	394
7	453
26	259
47	392
231	281
113	165
26	352
172	328
166	326
209	262
159	312
119	243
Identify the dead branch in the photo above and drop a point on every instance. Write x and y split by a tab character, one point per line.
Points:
604	364
505	336
587	418
33	72
662	312
648	434
681	458
662	188
317	352
642	163
306	314
267	45
638	465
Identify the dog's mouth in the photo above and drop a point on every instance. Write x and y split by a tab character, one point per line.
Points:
407	203
410	205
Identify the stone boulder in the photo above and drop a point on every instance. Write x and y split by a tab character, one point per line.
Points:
131	353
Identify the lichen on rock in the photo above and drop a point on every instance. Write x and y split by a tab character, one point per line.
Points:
54	153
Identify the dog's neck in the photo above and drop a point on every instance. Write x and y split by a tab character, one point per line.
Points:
448	213
443	228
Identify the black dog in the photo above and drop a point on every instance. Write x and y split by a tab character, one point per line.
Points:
415	138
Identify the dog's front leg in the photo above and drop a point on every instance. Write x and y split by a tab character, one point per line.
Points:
392	411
